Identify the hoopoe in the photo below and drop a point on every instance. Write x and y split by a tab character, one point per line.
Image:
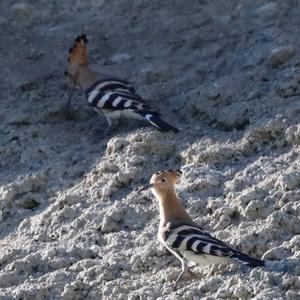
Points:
111	96
182	236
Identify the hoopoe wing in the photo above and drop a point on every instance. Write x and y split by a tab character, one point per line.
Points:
110	84
187	239
118	95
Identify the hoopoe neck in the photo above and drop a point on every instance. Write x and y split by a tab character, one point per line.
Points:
170	208
85	76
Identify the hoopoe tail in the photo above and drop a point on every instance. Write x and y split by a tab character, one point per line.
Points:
156	121
247	260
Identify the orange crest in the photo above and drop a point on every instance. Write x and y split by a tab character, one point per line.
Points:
78	52
173	175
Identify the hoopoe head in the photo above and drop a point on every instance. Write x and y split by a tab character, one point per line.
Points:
164	181
77	57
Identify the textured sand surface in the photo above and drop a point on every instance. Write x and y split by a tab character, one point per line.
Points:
227	73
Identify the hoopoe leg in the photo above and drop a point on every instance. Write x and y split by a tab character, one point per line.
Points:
112	124
184	268
70	99
109	121
184	265
108	128
190	268
113	121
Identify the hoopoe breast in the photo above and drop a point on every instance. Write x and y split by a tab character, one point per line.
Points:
203	259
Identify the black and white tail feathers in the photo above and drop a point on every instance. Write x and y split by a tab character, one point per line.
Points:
155	120
116	98
247	260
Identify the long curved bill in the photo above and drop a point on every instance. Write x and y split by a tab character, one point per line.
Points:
149	186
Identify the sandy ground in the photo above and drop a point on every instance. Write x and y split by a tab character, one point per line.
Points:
227	73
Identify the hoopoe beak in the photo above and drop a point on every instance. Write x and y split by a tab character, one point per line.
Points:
149	186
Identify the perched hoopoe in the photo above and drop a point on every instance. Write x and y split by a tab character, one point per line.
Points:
181	235
113	97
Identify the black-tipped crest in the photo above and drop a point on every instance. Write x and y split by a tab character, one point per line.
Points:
84	38
177	172
78	39
78	51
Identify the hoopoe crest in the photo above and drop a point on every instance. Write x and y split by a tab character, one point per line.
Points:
78	56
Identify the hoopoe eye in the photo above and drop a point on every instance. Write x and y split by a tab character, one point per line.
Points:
163	180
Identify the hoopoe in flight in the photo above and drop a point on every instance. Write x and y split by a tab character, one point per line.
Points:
182	236
111	96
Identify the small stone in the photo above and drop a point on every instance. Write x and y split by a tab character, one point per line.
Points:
289	181
234	116
292	135
83	4
289	88
267	11
120	57
30	204
23	10
7	194
292	295
280	55
111	219
3	21
225	20
115	145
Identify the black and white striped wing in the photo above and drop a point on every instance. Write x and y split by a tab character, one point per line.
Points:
189	238
118	97
110	84
115	94
186	238
115	100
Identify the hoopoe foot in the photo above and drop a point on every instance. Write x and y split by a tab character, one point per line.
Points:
194	266
212	271
108	131
101	134
174	283
192	274
68	113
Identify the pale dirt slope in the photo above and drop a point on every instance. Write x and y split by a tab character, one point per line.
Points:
227	73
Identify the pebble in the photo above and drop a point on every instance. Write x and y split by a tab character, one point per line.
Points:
120	57
267	11
22	9
280	55
2	20
83	4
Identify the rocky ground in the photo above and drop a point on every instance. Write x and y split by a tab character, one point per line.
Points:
227	73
